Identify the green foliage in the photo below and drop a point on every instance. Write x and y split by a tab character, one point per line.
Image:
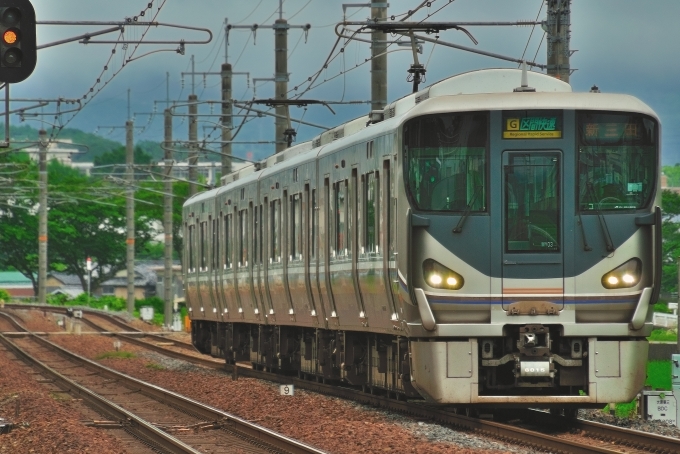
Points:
154	366
117	156
659	374
119	354
157	303
153	250
662	307
112	303
673	174
663	335
658	378
4	295
670	231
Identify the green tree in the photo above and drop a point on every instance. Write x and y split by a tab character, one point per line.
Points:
117	156
18	216
670	231
85	219
92	225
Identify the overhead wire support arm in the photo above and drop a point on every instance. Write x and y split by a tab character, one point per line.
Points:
291	102
120	25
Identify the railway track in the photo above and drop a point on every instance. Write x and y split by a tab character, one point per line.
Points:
542	435
162	419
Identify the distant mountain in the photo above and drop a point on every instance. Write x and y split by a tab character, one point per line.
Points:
97	145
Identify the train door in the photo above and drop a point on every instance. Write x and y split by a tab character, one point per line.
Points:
533	237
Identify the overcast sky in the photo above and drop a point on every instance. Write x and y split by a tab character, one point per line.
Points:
626	46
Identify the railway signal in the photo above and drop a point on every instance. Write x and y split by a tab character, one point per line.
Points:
18	52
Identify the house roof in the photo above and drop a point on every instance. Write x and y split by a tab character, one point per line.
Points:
69	291
13	278
65	278
143	277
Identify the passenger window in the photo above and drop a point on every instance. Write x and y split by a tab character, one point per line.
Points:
227	241
296	227
243	238
341	217
370	213
204	263
190	246
215	246
312	216
254	233
275	230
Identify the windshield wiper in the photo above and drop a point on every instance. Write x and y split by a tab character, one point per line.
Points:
468	208
603	222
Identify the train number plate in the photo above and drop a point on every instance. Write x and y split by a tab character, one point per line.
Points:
535	368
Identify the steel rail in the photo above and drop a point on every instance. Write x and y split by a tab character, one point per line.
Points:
132	423
233	423
642	440
619	435
109	317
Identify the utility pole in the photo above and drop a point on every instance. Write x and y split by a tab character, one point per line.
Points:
558	31
193	144
130	214
167	220
378	57
281	79
227	111
281	28
42	216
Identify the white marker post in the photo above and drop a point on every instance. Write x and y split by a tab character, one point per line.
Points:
287	390
88	262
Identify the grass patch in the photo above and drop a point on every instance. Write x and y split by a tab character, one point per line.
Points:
658	377
624	410
659	374
60	396
663	335
154	366
119	354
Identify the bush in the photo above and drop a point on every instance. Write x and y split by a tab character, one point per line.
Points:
4	295
153	301
57	300
662	307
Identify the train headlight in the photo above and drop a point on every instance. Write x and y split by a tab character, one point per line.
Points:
624	276
439	276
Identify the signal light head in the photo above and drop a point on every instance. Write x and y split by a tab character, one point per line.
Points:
12	57
11	17
10	37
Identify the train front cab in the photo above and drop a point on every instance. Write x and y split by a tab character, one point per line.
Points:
533	240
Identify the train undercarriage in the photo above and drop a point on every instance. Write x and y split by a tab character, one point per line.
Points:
529	364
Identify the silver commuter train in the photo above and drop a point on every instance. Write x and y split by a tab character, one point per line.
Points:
474	244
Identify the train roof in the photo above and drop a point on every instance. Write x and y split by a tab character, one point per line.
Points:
487	89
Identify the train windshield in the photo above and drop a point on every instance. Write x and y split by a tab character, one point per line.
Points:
617	160
446	159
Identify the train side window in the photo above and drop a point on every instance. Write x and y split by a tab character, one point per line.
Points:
341	217
296	226
190	246
259	233
215	246
243	238
312	216
371	212
227	241
275	231
254	233
330	218
203	263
